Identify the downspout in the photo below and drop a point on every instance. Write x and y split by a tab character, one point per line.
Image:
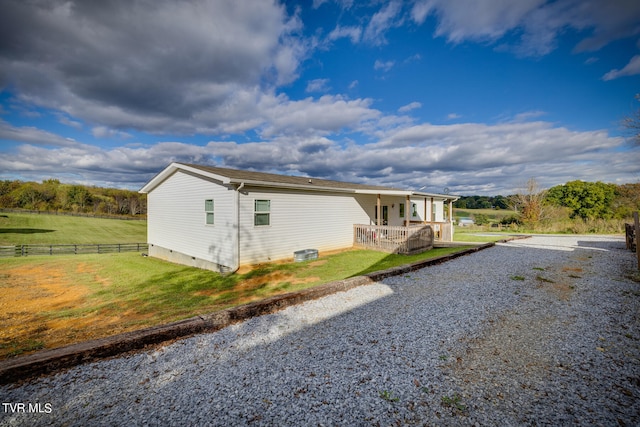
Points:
237	266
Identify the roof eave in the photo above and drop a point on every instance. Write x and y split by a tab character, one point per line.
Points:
173	167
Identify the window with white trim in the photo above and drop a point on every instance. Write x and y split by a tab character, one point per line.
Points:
208	210
401	210
262	212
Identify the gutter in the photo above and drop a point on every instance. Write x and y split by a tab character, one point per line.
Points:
237	266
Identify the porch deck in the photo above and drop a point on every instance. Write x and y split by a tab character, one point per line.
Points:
394	239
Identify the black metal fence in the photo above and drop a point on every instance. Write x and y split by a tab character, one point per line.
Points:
102	248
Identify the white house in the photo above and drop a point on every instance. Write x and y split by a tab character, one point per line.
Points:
219	219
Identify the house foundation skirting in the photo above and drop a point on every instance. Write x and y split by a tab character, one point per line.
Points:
184	259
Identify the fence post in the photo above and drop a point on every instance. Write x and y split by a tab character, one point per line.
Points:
636	223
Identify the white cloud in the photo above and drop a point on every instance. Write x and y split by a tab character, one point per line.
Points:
124	65
105	132
527	116
453	116
381	22
537	23
468	158
318	85
409	107
32	135
383	65
460	20
314	117
631	69
352	33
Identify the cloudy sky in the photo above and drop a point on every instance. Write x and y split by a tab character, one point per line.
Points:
476	96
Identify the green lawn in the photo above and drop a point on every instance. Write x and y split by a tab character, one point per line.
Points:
60	300
23	229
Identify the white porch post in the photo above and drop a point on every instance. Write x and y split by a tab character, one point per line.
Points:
431	218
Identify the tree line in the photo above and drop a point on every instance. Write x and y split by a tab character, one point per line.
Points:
575	199
52	195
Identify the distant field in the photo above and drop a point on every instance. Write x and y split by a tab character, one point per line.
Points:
24	229
492	214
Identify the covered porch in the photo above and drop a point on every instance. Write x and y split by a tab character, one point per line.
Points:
424	219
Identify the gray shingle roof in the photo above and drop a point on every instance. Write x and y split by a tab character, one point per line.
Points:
243	175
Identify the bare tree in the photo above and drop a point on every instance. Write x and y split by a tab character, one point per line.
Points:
530	202
632	123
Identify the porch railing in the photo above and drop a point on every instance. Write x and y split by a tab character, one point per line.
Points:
393	239
442	231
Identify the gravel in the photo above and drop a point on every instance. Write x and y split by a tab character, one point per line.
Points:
542	331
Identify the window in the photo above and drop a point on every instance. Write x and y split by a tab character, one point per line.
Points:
208	209
261	215
414	210
401	210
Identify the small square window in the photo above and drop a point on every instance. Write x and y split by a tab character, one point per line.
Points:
262	215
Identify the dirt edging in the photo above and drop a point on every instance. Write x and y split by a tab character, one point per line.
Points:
50	361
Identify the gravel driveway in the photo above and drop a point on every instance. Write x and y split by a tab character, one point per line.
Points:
543	331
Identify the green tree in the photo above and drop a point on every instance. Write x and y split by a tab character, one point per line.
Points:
587	200
78	197
500	202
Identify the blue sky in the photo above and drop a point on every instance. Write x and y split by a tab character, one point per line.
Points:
473	96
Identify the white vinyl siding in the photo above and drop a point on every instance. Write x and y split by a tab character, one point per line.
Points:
175	218
427	211
299	220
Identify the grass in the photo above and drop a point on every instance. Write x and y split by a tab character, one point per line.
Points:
59	300
388	396
454	402
24	229
491	214
476	235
